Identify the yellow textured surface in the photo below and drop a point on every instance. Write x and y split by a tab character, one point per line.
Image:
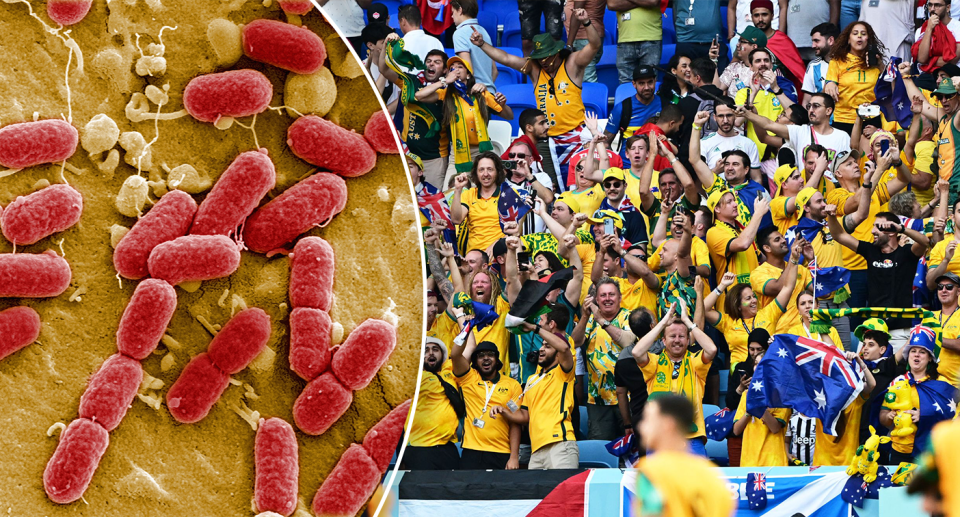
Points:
155	466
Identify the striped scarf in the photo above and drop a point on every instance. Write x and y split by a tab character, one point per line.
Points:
663	379
460	133
822	318
397	59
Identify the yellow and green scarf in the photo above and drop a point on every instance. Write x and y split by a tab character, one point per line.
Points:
686	382
460	133
397	59
822	319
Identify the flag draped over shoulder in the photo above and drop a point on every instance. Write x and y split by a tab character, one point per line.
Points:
892	94
806	375
510	206
937	403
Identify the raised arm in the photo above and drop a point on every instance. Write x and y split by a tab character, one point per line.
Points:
701	337
634	265
444	285
869	381
646	176
498	55
713	315
838	233
684	261
749	234
660	229
941	268
385	70
690	190
460	355
763	123
539	188
568	250
590	170
860	202
459	212
510	266
703	172
929	111
584	56
790	270
579	333
640	350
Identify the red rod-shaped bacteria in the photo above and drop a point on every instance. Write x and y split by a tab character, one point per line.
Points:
41	214
311	274
145	318
68	12
240	340
298	7
236	194
322	143
357	361
323	401
111	390
296	49
196	390
309	342
27	144
381	440
19	326
379	132
277	467
309	203
25	275
194	258
349	486
237	93
70	469
170	218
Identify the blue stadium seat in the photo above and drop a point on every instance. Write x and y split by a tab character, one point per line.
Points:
717	452
450	53
607	68
595	98
501	8
623	91
511	29
519	97
519	78
594	454
667	53
507	76
724	380
610	31
488	20
669	31
584	421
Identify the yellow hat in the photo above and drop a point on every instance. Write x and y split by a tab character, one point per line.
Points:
874	324
804	197
714	198
416	159
615	173
570	200
602	215
781	174
456	59
924	159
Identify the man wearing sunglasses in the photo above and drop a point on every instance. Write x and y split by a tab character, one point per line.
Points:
947	119
948	292
528	179
615	191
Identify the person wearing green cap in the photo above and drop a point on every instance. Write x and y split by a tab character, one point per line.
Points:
738	74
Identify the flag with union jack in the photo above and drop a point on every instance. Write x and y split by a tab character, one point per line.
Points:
891	95
806	375
434	206
510	206
719	424
757	490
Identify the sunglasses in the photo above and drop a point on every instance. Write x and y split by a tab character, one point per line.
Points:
946	287
517	155
943	96
612	184
676	370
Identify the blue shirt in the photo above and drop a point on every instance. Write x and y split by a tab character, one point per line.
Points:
706	21
482	63
640	114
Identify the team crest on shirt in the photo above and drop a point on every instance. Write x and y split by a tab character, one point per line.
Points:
562	85
776	102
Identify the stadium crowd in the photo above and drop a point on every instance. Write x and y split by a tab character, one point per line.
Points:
734	199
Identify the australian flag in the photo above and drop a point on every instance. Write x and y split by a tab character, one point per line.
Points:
856	489
483	315
434	205
757	490
921	294
719	424
892	95
806	375
510	206
826	280
624	448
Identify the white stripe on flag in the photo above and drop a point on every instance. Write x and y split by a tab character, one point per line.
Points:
812	496
497	508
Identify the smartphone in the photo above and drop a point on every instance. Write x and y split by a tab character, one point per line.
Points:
608	227
523	257
884	146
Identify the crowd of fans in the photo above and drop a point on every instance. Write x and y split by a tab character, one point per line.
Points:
694	219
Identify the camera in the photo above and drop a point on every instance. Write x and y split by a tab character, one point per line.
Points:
533	356
510	165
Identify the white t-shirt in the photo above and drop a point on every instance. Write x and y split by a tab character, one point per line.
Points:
419	43
714	145
954	27
810	85
892	20
744	19
800	139
346	15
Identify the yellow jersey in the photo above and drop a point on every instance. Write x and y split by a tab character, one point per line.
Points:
636	295
768	106
740	264
949	366
855	83
434	420
479	396
664	487
498	334
836	451
736	331
688	384
444	328
838	196
699	256
549	401
938	253
761	448
471	113
483	219
778	212
767	273
589	199
561	100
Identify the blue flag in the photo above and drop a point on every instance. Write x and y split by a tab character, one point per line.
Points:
757	490
719	424
937	403
856	489
806	375
826	280
892	95
921	294
510	207
483	315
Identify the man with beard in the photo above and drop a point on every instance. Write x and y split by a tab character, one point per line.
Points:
767	94
821	39
632	113
948	120
820	108
767	280
736	176
433	432
547	400
630	222
791	66
528	180
603	331
421	120
677	370
732	246
487	443
639	287
727	138
557	76
533	125
738	74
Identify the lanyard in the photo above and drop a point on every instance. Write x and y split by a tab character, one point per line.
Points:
950	317
745	327
532	384
489	395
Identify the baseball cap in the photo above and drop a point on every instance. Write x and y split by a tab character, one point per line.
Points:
570	200
949	276
456	59
754	35
615	173
377	12
714	198
781	174
646	72
842	157
804	197
872	324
